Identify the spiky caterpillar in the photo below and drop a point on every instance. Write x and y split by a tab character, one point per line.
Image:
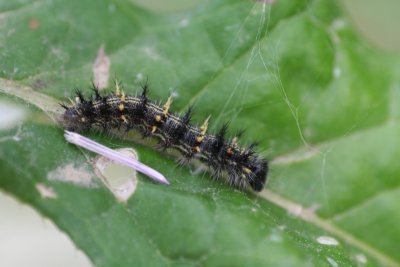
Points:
240	167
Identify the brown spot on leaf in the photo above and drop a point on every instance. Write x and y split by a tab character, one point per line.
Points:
33	24
101	69
46	191
71	173
120	180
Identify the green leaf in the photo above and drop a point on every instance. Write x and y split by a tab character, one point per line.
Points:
295	74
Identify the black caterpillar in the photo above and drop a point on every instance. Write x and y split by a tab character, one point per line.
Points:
241	167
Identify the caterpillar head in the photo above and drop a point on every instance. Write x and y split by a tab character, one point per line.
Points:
73	119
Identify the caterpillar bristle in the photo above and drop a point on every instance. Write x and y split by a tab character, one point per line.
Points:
187	116
95	90
240	133
63	106
79	95
220	138
145	88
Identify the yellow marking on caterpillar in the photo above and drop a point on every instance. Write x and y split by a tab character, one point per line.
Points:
117	89
229	151
158	118
123	98
123	118
167	105
83	119
204	127
121	107
153	129
203	130
196	149
234	142
246	170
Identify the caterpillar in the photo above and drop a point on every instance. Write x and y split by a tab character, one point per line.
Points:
240	167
